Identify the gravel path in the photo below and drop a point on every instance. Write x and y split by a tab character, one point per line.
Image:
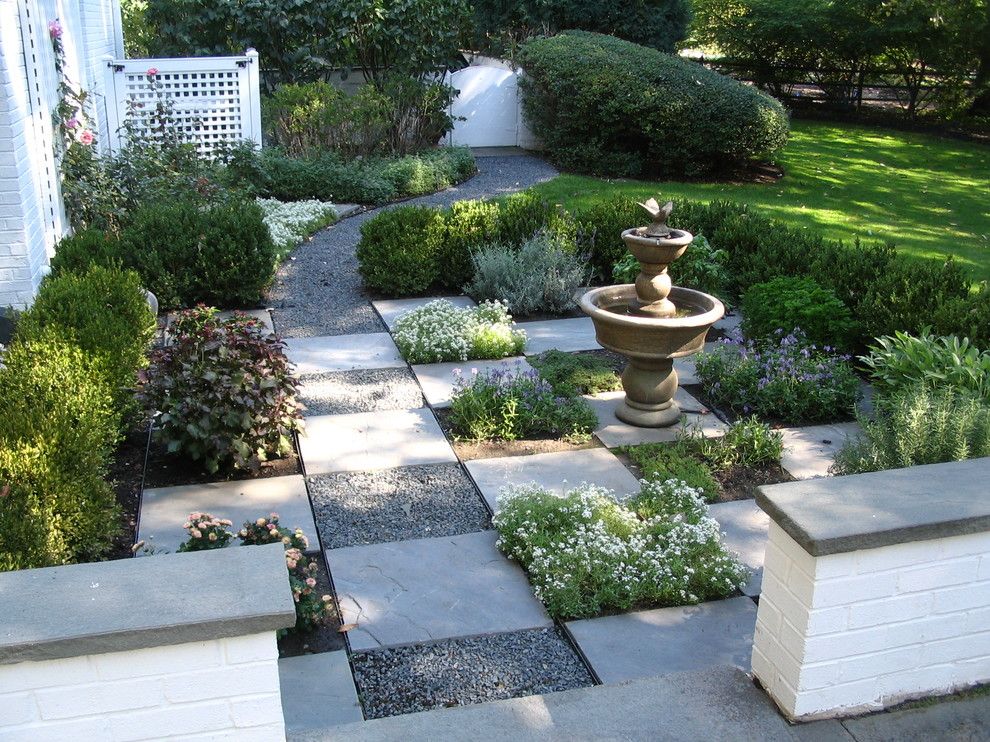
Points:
366	390
457	672
318	290
373	507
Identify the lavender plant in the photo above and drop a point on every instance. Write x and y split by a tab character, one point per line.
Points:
513	403
784	378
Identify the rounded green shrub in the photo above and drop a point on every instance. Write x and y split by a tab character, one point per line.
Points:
57	428
87	247
397	254
105	312
785	304
610	107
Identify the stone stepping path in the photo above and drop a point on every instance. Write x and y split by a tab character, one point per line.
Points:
569	335
318	355
317	691
556	472
165	509
810	451
642	644
613	433
373	440
391	309
370	507
364	390
438	379
746	528
429	589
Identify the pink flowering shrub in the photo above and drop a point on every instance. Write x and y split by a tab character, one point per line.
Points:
312	610
268	531
205	532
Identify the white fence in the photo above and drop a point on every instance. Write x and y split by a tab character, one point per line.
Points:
489	104
214	100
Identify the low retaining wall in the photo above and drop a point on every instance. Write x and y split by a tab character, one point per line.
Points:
876	589
167	647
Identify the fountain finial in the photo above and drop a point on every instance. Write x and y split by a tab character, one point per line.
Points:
659	214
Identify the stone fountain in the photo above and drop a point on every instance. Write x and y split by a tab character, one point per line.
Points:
652	322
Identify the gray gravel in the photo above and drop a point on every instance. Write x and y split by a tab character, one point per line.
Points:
318	290
458	672
365	390
373	507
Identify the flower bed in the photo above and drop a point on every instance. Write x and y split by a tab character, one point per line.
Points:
784	379
587	554
439	332
291	223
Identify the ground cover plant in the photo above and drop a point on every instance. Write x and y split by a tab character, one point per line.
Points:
577	373
439	332
749	450
843	182
292	223
586	554
541	276
918	424
513	404
611	107
223	391
785	379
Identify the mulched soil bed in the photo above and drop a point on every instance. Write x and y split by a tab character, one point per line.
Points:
457	672
372	507
470	450
127	474
168	470
327	638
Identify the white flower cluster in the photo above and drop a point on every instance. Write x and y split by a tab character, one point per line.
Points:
438	331
291	222
586	552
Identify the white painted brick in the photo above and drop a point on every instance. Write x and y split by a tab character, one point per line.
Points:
222	682
983	573
977	620
254	648
843	591
256	711
879	663
30	675
860	694
99	698
768	617
170	722
178	658
18	708
784	601
827	620
91	728
932	577
899	608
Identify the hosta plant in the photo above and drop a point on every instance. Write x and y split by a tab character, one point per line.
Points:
205	532
223	391
439	331
587	553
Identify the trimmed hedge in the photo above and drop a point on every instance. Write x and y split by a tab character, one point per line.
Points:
788	303
105	313
58	425
610	107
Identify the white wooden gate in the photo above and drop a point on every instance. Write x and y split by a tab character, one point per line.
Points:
488	109
215	100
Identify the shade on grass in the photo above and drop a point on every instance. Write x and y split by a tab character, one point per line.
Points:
930	196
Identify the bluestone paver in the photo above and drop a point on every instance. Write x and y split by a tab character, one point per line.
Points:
665	640
432	588
613	432
438	379
556	472
391	309
810	451
317	691
961	720
319	355
165	509
373	440
569	335
745	527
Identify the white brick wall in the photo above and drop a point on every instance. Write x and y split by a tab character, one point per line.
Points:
220	689
844	633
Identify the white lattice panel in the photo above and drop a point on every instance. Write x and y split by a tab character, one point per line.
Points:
214	99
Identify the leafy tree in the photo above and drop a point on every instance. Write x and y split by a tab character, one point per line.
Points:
656	23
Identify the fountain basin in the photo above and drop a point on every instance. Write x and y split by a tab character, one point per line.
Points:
651	344
657	250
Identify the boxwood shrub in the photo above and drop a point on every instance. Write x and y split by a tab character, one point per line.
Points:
786	303
58	425
611	107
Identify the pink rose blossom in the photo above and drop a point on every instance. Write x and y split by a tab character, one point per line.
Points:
152	71
196	533
291	563
72	123
212	537
86	137
311	582
55	29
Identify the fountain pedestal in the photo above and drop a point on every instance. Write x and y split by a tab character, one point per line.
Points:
652	322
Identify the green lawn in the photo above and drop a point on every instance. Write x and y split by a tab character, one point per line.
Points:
929	196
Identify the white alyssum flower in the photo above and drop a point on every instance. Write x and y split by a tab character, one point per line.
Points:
291	222
439	331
